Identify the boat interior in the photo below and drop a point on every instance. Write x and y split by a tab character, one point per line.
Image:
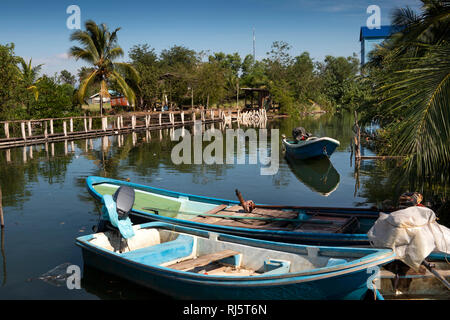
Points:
182	207
213	254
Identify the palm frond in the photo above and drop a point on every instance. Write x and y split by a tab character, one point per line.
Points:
85	83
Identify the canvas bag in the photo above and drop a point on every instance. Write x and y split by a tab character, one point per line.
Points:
412	233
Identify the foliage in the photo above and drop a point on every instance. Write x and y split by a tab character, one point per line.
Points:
65	77
100	49
411	75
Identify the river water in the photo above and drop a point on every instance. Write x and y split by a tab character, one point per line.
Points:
46	203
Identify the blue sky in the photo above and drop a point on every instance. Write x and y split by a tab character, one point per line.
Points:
321	27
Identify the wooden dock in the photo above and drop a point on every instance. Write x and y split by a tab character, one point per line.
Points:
29	132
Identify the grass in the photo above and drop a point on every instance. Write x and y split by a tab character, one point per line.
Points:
95	107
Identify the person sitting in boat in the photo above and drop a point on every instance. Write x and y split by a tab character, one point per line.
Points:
300	134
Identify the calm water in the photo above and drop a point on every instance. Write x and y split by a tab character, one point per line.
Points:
47	205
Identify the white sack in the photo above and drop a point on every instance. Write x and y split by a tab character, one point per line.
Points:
412	233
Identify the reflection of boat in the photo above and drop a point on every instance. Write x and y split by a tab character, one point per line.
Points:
312	147
108	287
188	263
317	174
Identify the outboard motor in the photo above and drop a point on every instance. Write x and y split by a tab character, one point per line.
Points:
116	210
300	134
124	198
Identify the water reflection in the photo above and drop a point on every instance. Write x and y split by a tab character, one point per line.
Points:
319	175
106	286
45	196
2	245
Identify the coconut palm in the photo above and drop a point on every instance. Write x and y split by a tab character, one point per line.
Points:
29	76
415	86
99	48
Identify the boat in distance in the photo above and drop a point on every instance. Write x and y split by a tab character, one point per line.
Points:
312	147
188	263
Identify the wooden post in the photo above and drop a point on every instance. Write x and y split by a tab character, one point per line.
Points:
147	121
160	119
51	126
90	124
71	125
85	125
357	139
193	116
7	130
22	127
45	130
182	117
29	129
133	122
65	128
2	220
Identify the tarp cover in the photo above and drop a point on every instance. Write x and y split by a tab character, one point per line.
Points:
110	213
412	233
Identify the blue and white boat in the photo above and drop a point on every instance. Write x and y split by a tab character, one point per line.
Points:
312	147
186	263
296	224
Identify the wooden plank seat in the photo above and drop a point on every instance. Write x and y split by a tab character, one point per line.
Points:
202	261
337	224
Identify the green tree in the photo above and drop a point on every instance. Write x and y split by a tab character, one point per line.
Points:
12	90
100	49
29	76
66	77
145	61
54	101
411	73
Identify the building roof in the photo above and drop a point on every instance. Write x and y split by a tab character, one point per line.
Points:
383	32
112	93
255	89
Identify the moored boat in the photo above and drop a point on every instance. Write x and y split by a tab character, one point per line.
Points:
305	225
312	147
188	263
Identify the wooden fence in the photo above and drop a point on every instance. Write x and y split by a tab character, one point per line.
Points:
27	132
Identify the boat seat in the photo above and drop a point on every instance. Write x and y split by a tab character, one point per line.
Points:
335	261
158	254
204	260
272	267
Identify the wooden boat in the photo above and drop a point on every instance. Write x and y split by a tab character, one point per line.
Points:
293	224
406	283
319	175
305	225
312	147
195	264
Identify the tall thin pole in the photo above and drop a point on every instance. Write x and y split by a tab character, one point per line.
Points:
254	45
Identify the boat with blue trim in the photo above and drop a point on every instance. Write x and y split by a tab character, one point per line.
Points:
312	147
295	224
188	263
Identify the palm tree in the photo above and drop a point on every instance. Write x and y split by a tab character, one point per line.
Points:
100	49
415	85
29	76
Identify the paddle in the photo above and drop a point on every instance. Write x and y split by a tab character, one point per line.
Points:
298	220
436	274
